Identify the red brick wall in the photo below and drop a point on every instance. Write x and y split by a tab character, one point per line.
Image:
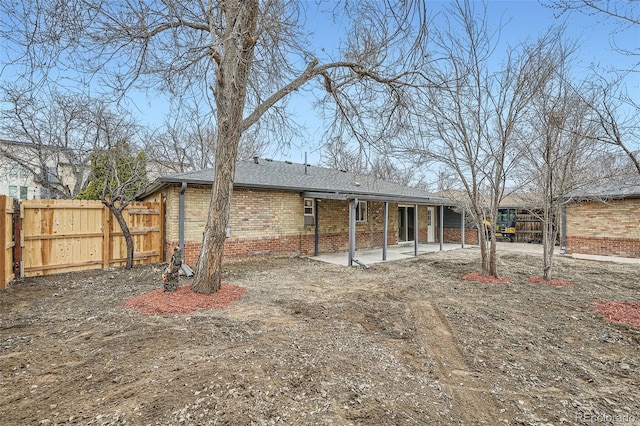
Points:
265	222
454	235
604	246
605	229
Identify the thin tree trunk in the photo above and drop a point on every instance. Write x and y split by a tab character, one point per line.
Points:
547	230
483	238
125	231
548	245
493	264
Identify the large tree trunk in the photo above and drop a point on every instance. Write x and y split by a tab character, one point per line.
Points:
232	75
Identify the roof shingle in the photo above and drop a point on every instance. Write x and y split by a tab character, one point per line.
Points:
284	175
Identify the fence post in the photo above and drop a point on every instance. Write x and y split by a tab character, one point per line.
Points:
17	239
106	236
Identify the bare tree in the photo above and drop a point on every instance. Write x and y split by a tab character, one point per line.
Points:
563	152
364	159
469	119
182	145
57	133
623	15
617	118
246	56
187	143
616	113
118	176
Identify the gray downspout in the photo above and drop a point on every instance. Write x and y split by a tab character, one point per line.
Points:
316	230
385	230
183	189
185	268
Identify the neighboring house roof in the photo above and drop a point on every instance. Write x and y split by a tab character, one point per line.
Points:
527	200
622	187
311	181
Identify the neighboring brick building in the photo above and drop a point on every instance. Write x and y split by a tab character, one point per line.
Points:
605	220
278	207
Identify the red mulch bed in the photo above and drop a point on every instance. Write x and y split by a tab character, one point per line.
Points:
477	276
183	300
620	312
540	280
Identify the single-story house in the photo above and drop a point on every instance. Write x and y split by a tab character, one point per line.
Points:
283	208
604	220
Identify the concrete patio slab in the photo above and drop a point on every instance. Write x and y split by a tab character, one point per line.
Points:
406	251
371	256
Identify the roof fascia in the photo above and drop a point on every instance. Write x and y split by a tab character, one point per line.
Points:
374	197
304	192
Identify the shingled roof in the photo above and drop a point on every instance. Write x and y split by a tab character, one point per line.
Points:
312	181
622	187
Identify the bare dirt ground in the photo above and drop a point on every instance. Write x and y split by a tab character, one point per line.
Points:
404	343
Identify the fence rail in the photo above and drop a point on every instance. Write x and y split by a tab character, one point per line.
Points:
56	236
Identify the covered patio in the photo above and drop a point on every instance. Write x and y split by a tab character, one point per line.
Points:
364	257
367	257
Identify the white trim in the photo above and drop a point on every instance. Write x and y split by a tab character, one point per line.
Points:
362	214
431	224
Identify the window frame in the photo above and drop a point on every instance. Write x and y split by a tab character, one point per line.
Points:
362	212
309	211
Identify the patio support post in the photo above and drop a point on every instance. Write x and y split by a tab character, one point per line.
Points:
563	247
316	230
353	203
462	227
441	225
385	229
416	230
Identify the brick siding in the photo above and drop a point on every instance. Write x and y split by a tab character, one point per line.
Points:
454	235
270	222
605	229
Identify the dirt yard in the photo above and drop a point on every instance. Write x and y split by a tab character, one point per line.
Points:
403	343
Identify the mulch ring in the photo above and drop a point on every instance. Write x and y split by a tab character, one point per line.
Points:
183	300
620	312
478	277
540	280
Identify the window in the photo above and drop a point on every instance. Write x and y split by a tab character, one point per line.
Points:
361	211
52	175
18	172
20	192
309	212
